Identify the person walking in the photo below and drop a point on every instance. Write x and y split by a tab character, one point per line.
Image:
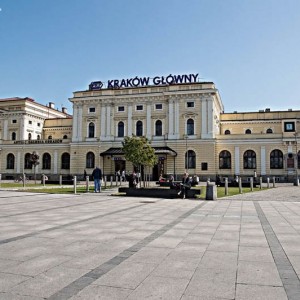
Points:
97	176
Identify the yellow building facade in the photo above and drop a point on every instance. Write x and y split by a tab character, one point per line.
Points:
182	118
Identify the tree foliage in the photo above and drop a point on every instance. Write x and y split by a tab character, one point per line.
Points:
139	151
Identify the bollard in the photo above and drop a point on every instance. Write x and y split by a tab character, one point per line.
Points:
211	191
251	184
87	182
117	180
260	182
43	179
111	181
0	179
226	186
75	184
240	186
268	182
24	179
273	181
60	180
105	179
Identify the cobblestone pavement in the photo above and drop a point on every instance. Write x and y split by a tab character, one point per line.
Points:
97	246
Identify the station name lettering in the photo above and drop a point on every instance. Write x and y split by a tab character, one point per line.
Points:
145	81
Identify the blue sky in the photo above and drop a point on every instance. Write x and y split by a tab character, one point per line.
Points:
249	48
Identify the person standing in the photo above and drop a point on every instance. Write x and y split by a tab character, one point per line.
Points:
97	176
185	185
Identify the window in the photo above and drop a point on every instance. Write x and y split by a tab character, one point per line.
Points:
27	161
249	159
190	104
139	107
227	131
65	161
224	160
65	137
39	124
38	137
158	128
13	136
276	159
158	106
90	160
10	161
121	129
91	132
46	161
190	127
139	128
190	159
248	131
14	121
50	137
30	122
204	166
269	130
289	126
121	108
29	136
92	109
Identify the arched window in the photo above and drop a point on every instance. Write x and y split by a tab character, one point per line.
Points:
13	136
248	131
50	137
276	159
249	159
190	159
29	136
46	165
10	161
190	127
38	137
227	131
139	128
90	160
269	130
224	160
27	161
65	137
91	133
121	129
158	128
65	161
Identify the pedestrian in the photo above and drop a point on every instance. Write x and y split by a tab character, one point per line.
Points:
123	176
185	185
97	176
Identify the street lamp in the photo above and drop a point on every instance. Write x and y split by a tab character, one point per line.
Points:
185	136
296	183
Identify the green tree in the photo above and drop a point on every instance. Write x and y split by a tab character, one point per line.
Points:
138	150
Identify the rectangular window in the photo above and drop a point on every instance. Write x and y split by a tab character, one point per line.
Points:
30	122
39	124
92	109
190	104
158	106
289	126
121	108
14	121
204	166
139	107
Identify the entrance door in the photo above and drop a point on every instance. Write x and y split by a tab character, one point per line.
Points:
119	166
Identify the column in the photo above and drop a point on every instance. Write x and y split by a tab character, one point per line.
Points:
5	130
18	162
204	119
75	128
237	160
263	160
171	119
129	121
149	125
103	122
210	119
108	122
79	121
55	162
176	118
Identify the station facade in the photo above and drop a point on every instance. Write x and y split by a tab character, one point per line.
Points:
182	118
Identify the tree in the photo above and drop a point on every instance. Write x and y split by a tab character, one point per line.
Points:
34	159
139	151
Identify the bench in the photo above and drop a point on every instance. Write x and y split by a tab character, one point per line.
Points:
158	192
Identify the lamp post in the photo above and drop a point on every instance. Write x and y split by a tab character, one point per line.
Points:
296	183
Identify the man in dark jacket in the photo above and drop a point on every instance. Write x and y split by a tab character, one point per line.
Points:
97	176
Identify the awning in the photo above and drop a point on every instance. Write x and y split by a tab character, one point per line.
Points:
158	150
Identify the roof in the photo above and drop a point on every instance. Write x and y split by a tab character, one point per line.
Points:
158	150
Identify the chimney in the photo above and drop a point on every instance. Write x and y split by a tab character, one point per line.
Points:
51	105
64	110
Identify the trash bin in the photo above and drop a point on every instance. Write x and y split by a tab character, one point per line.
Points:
211	191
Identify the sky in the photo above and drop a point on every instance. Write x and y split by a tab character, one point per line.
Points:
250	49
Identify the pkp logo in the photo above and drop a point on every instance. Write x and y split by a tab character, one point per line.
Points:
96	85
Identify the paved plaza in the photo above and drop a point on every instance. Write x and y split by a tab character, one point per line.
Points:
98	246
